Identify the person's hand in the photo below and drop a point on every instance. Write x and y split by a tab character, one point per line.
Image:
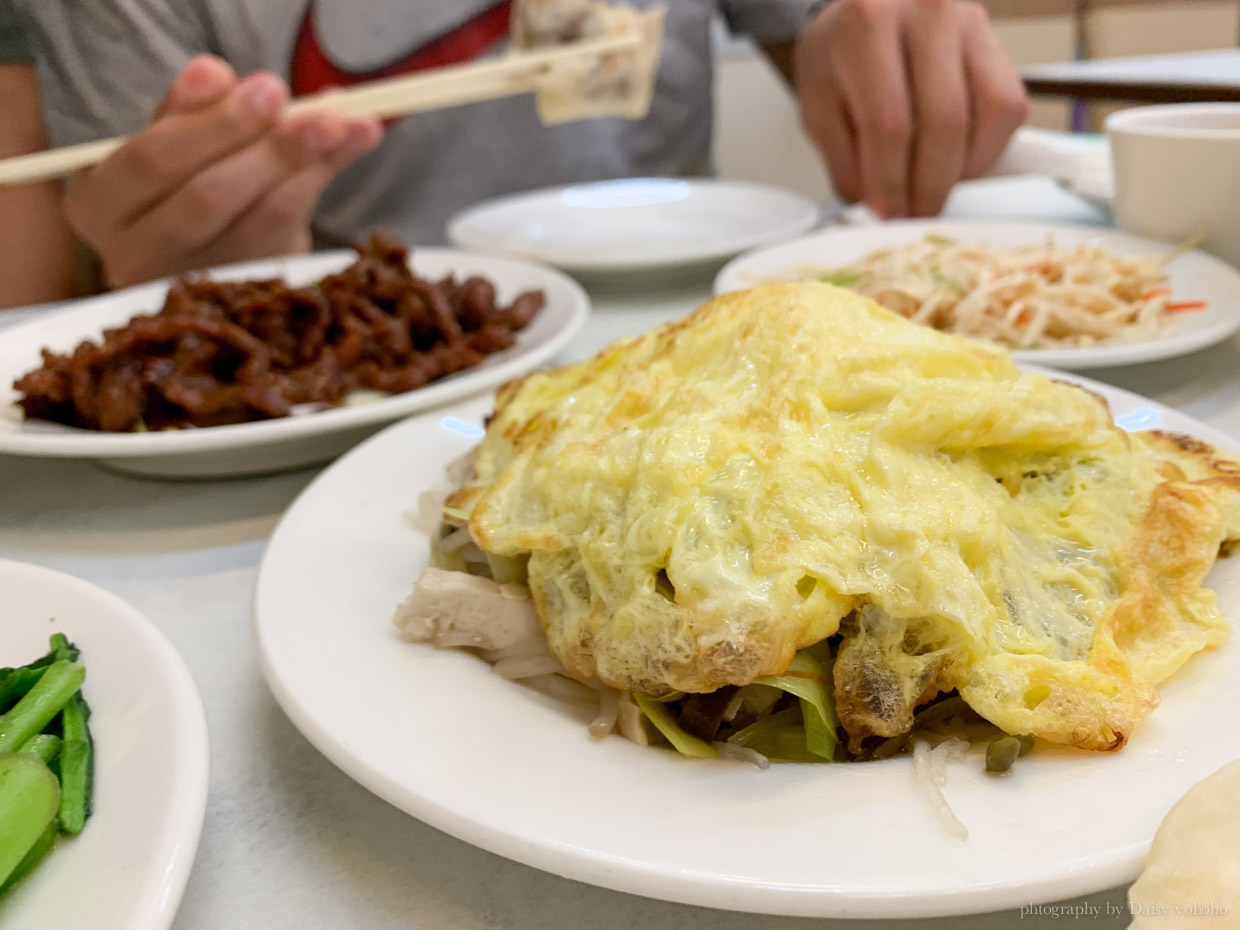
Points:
906	97
221	174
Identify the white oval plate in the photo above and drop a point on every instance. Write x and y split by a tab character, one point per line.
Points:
437	734
128	867
281	443
635	223
1194	276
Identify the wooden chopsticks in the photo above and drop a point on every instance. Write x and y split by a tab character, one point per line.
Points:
517	73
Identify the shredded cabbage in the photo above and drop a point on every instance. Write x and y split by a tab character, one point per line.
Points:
449	561
780	737
798	734
805	678
506	569
684	743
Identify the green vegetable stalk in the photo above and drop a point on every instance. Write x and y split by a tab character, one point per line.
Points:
805	678
28	717
46	746
77	766
62	650
781	737
15	684
35	806
684	742
29	799
42	846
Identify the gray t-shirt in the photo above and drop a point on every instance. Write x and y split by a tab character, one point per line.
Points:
104	64
14	49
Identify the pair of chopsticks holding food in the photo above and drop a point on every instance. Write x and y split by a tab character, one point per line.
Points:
606	75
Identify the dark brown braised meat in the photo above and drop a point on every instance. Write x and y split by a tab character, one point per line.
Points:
702	714
229	352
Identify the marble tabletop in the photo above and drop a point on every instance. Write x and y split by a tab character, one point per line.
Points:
290	841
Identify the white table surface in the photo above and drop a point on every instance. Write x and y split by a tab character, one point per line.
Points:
1216	67
291	842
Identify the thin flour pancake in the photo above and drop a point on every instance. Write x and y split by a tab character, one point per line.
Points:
1192	874
618	83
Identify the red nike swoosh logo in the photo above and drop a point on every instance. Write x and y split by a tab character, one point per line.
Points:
312	71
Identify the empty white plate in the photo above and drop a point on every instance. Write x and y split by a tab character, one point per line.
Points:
288	442
441	736
635	223
128	867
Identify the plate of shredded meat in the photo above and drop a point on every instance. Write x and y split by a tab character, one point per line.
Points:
275	364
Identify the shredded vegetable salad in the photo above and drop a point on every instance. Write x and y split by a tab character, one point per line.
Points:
1027	297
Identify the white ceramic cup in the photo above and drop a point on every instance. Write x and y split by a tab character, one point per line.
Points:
1177	174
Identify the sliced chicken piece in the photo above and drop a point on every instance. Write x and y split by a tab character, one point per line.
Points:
455	609
631	722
